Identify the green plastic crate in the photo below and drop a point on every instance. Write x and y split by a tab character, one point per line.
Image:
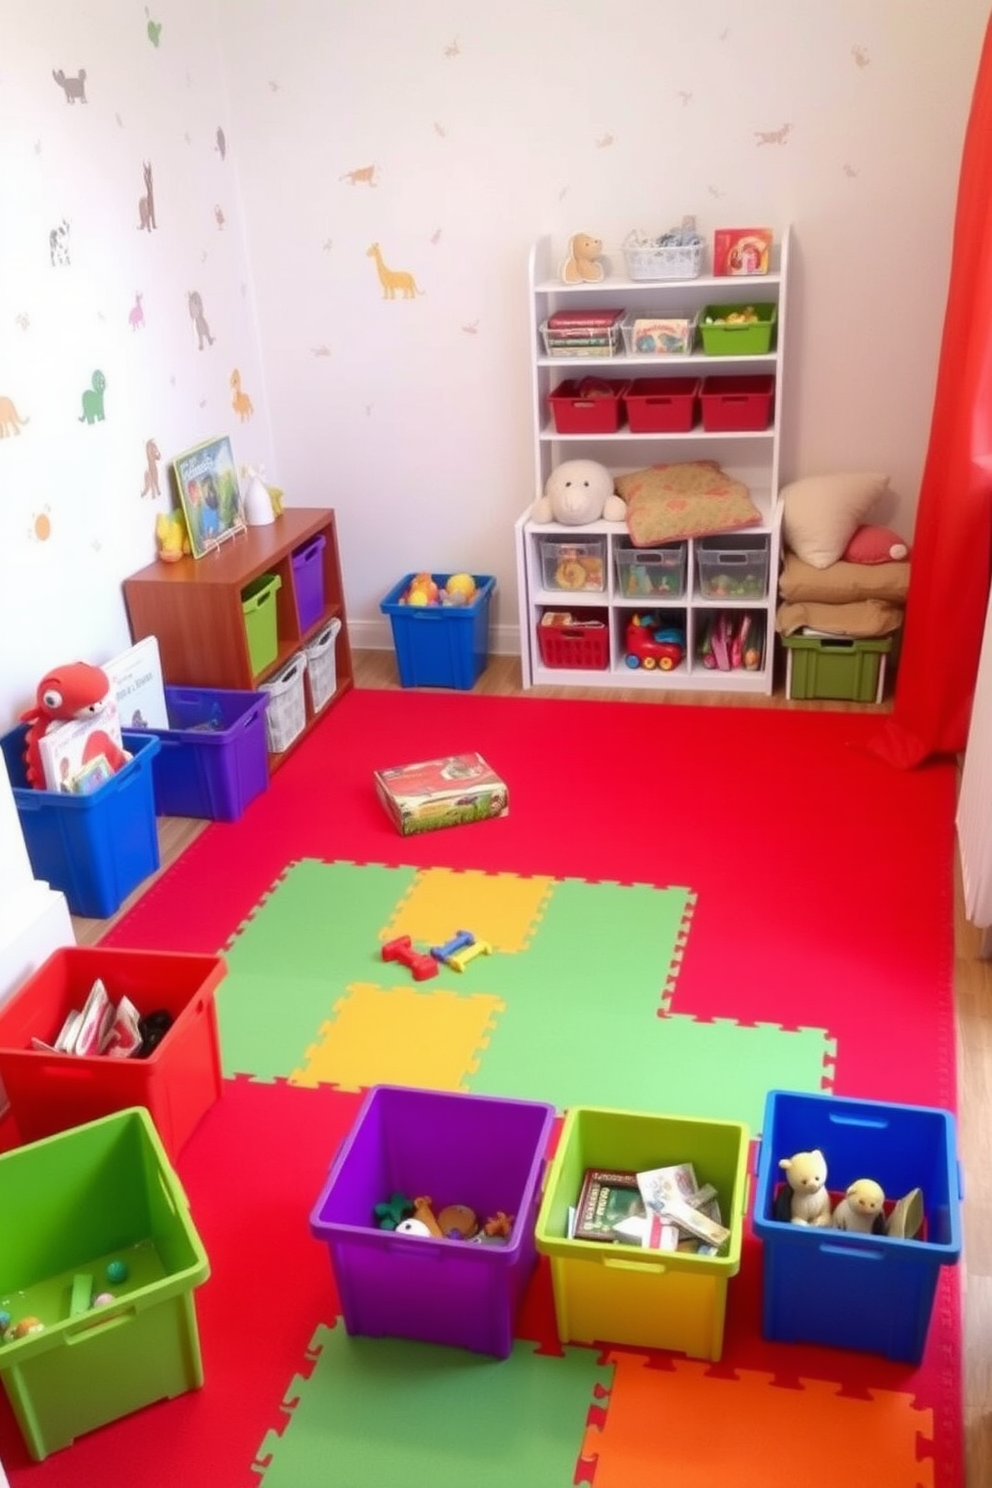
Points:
258	601
753	338
101	1192
620	1294
837	667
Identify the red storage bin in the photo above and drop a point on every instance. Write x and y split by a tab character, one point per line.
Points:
177	1082
582	643
737	404
662	405
590	406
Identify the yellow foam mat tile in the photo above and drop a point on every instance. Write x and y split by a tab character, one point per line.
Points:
496	907
400	1035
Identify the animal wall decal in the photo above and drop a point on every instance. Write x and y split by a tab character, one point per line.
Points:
196	315
58	245
72	87
153	29
221	143
93	412
136	316
393	280
364	176
240	402
146	203
219	216
778	136
10	420
152	457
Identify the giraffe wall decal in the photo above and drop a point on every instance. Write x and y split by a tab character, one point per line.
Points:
393	280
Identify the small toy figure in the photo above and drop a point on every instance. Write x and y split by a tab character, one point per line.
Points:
809	1202
862	1209
390	1214
582	265
458	1222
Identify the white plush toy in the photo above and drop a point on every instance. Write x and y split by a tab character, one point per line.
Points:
860	1208
577	493
807	1176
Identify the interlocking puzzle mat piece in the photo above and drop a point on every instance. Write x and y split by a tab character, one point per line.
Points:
316	931
497	907
686	1423
378	1411
400	1036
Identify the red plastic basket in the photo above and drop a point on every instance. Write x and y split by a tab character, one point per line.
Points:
576	410
662	405
737	404
581	647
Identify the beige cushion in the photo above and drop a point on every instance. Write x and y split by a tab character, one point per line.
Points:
843	583
666	503
864	618
821	514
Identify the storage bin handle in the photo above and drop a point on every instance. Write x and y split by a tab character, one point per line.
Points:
651	1265
92	1323
827	1247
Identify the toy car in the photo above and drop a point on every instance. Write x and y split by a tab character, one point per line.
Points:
650	644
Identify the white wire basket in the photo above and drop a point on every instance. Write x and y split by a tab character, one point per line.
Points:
286	715
322	672
646	258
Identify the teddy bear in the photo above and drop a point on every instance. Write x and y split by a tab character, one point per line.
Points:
582	266
578	492
809	1201
862	1208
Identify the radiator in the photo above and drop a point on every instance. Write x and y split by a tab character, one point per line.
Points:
974	810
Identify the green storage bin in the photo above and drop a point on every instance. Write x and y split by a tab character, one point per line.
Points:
621	1294
97	1193
837	667
752	338
258	600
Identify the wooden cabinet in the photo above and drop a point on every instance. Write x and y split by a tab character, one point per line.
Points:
195	607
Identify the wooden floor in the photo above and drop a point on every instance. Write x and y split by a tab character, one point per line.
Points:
973	982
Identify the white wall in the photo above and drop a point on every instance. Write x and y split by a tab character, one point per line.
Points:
485	126
73	517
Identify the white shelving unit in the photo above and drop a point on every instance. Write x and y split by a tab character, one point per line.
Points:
751	457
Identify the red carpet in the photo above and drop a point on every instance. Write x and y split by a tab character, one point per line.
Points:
824	899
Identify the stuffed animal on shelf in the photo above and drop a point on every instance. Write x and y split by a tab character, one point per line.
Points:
582	265
579	492
75	691
806	1173
171	536
862	1209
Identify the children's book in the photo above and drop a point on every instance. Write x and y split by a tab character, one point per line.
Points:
210	494
69	748
608	1198
136	679
741	251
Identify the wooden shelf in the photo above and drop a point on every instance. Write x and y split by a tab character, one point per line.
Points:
194	608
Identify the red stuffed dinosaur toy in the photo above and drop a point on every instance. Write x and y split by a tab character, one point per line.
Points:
77	690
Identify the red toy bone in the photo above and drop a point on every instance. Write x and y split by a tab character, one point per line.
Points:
77	690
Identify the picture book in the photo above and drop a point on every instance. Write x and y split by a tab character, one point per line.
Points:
608	1198
740	251
210	494
136	679
68	749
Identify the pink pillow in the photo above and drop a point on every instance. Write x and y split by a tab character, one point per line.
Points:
872	544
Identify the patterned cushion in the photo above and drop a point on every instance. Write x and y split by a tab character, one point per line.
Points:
666	503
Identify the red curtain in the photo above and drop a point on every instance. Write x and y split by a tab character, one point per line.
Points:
952	544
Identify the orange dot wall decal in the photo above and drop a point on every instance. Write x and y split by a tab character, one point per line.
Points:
41	525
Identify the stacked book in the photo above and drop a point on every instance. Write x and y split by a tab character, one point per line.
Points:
583	333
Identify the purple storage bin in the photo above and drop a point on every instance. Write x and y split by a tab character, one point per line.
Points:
308	581
484	1151
213	759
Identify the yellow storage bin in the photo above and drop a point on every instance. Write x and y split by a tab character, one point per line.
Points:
618	1293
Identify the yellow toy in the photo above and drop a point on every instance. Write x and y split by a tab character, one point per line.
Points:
807	1175
460	589
582	266
171	537
862	1208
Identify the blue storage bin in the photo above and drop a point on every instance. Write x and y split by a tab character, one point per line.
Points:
95	849
440	645
214	758
864	1292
